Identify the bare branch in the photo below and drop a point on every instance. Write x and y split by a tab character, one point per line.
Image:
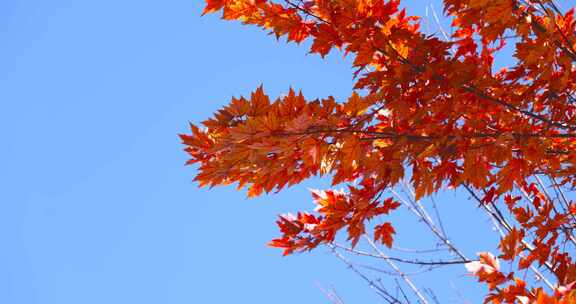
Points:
402	274
400	260
378	289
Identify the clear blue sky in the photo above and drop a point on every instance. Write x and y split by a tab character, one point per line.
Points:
95	203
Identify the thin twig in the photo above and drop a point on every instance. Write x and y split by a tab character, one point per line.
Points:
378	289
405	277
400	260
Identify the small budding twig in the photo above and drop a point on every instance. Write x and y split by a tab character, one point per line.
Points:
420	251
432	295
431	226
331	294
392	273
399	287
380	290
400	260
393	266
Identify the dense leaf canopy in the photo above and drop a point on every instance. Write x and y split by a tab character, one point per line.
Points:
430	108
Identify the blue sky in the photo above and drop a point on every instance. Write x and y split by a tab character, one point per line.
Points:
96	205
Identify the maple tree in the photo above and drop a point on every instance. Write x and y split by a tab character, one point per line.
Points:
433	109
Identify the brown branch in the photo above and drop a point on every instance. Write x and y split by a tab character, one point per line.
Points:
416	137
405	261
379	290
404	277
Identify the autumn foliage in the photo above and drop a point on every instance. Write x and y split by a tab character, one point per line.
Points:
433	109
